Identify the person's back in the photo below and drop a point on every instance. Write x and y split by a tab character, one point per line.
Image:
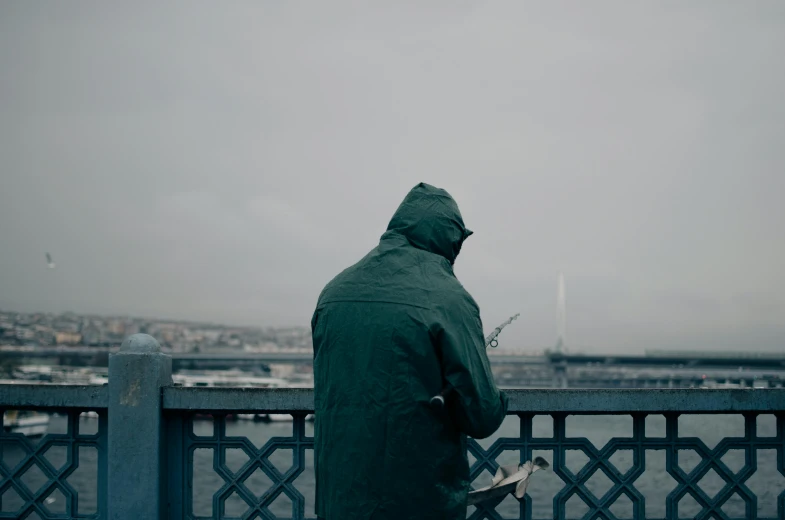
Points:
388	334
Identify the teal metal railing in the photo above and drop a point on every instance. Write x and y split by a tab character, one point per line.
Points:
160	451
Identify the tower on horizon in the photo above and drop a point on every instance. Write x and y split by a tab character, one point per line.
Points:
561	326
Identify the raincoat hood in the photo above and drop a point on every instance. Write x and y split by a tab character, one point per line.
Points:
430	220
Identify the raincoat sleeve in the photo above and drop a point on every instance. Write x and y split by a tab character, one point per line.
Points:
476	404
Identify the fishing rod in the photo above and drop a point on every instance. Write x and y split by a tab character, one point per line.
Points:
437	401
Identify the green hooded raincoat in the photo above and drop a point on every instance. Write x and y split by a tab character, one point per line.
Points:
388	334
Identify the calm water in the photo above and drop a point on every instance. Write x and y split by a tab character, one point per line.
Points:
655	483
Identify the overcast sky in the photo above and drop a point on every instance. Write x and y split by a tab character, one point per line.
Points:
222	161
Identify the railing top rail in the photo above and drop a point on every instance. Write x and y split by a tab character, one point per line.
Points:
239	399
38	396
603	401
533	401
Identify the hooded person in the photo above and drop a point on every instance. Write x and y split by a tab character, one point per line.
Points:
390	332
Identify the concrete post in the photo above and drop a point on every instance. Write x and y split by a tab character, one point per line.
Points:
136	451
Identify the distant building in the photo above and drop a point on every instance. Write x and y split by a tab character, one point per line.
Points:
68	338
91	335
65	326
23	333
44	335
115	327
132	328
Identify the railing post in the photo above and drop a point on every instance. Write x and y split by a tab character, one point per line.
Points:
136	451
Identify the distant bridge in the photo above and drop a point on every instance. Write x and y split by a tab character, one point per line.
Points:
660	359
297	357
675	360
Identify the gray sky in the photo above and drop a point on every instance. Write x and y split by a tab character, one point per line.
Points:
223	160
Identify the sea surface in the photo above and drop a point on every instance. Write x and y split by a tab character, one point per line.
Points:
655	483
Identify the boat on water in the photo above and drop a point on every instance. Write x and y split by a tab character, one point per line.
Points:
712	384
227	380
274	417
98	380
28	423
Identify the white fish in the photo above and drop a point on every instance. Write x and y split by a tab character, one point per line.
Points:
49	261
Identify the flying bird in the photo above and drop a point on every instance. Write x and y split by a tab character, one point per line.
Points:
49	262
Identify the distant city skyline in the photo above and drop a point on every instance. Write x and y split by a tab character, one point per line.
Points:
74	330
121	316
